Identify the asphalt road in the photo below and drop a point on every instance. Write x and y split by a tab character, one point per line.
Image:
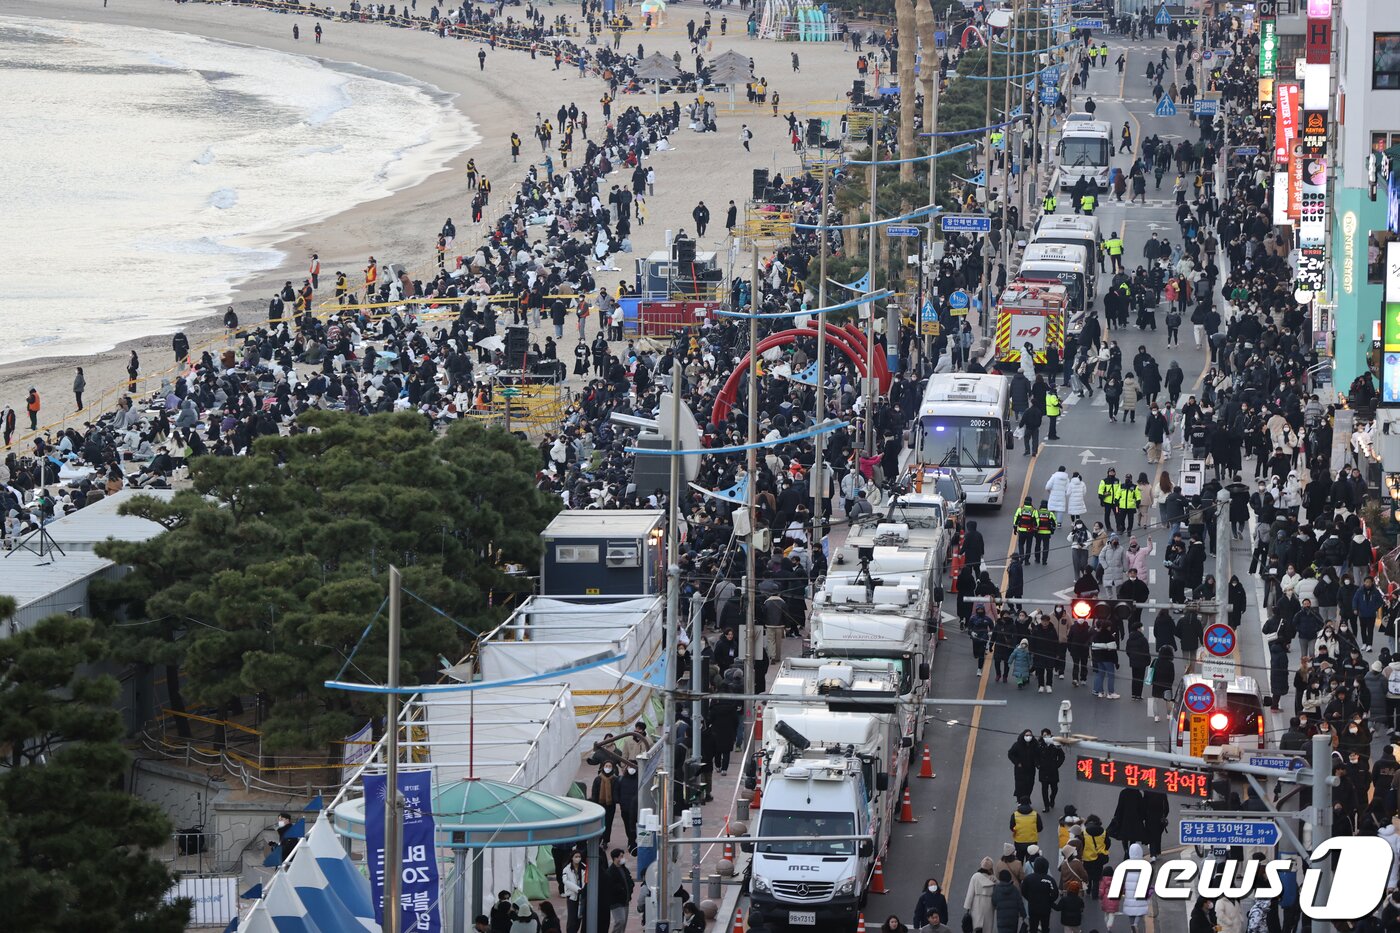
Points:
963	814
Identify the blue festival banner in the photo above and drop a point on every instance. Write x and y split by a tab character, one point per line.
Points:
419	890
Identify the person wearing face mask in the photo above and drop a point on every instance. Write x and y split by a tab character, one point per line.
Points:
286	841
1049	759
627	795
573	884
605	795
931	909
1024	759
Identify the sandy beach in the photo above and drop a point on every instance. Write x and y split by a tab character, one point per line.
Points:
502	99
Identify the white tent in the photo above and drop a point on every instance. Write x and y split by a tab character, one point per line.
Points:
548	633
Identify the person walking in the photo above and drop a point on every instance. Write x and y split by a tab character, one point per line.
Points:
318	33
931	909
745	136
1025	826
701	216
977	902
1162	677
79	384
1104	650
33	404
572	882
1050	757
1041	892
481	62
1007	903
617	887
1025	758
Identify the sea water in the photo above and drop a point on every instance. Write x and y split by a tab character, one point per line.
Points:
146	173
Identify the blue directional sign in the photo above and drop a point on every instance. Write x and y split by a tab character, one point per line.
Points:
1246	150
1219	639
965	223
1223	53
1229	832
1050	73
1089	24
1163	17
1279	762
1205	108
1198	698
901	231
958	299
1165	107
1207	54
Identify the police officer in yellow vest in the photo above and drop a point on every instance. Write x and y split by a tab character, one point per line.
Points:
1108	487
1025	522
997	137
1088	203
1052	411
1125	502
1044	530
1050	203
1114	247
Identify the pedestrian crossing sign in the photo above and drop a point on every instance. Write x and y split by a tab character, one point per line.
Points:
1163	17
1165	107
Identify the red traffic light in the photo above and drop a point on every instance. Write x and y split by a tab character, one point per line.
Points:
1081	608
1219	721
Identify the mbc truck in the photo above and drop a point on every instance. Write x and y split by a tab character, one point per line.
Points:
828	769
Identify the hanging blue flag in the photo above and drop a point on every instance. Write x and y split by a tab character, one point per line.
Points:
807	376
419	894
315	806
861	284
253	893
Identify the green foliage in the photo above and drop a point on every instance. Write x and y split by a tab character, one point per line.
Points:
275	564
75	848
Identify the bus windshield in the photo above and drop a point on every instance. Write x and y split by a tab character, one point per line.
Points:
1084	151
960	441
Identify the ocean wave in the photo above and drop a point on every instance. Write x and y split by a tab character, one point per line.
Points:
243	147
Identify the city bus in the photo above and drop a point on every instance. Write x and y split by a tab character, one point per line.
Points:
1084	150
965	425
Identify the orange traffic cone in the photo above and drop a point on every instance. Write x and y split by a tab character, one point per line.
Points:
926	768
906	810
757	789
860	923
739	920
877	882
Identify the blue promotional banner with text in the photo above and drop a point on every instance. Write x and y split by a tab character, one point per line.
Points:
419	890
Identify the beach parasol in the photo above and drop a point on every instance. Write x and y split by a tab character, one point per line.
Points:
657	68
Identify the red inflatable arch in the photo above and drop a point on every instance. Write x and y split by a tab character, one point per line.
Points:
849	341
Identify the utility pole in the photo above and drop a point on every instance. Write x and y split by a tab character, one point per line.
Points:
669	645
393	805
984	319
749	495
1322	781
870	287
1223	542
1008	158
936	64
819	442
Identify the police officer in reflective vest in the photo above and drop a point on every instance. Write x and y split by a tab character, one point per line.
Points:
1025	522
1052	411
1114	247
1044	531
1107	494
1088	203
1050	203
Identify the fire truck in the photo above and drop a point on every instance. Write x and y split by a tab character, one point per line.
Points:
1032	313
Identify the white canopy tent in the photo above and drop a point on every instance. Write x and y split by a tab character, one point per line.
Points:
557	632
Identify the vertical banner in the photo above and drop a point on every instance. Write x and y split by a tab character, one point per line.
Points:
1268	48
1280	193
1312	219
419	891
1390	327
1295	183
1285	120
1319	41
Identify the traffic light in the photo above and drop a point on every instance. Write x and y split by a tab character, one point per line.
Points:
1219	723
698	777
1098	610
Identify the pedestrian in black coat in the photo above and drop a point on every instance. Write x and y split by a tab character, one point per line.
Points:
1189	632
1139	654
1024	759
1164	629
1050	757
1007	904
1041	892
1163	681
1156	818
1128	825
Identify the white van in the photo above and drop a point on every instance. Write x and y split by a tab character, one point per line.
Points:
1240	722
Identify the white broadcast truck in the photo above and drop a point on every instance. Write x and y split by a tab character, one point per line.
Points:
827	770
882	608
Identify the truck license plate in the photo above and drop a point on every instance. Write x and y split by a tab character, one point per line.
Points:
806	918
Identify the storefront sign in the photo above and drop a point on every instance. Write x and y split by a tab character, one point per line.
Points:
1268	48
1390	327
1285	120
1319	41
1349	252
1317	86
1312	273
1280	199
1319	9
1314	133
1295	182
1312	221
